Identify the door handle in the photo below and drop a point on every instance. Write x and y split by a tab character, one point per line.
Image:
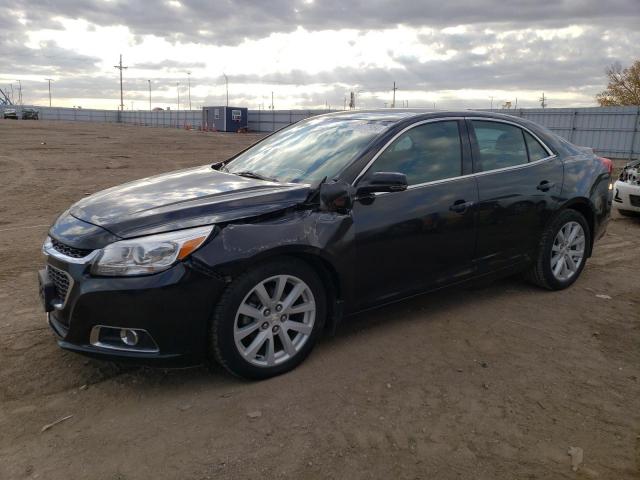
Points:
460	206
545	186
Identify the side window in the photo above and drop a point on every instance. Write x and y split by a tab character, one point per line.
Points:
501	145
216	114
425	153
536	151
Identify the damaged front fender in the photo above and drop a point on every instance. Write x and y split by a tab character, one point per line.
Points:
314	235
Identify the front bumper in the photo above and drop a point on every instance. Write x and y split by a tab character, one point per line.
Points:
173	307
626	196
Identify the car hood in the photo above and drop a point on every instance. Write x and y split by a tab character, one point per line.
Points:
182	199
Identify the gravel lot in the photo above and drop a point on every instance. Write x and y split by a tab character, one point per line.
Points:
494	382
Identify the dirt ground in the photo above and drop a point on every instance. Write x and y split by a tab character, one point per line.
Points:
495	382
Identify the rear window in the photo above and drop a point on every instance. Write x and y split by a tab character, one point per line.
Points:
501	145
536	151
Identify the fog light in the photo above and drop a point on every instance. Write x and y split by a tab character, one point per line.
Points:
129	337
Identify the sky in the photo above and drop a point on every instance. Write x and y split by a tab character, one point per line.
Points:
313	53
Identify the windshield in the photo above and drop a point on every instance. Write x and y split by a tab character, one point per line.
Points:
309	150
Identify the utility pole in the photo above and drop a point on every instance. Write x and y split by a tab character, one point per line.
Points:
393	103
178	89
543	101
226	81
19	92
491	97
189	87
120	67
149	94
272	100
49	80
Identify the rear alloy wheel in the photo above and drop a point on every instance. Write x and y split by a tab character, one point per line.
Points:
562	252
567	251
268	319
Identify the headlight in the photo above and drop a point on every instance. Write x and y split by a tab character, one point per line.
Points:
151	254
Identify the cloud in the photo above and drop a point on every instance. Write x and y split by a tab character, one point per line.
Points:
45	59
299	48
227	23
169	65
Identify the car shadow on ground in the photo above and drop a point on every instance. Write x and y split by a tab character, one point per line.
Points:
390	316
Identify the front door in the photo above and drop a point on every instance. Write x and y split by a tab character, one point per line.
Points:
423	237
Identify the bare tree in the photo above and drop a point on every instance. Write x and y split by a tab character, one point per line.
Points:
623	87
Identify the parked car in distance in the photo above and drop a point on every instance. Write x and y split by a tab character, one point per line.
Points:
246	262
10	114
626	190
30	114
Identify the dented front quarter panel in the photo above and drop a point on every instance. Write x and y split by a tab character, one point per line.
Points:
325	236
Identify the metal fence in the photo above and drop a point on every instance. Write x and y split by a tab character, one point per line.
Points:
611	131
272	120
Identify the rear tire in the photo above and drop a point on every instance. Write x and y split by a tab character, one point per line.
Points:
562	251
258	329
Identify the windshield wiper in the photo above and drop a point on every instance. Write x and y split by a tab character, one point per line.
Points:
250	174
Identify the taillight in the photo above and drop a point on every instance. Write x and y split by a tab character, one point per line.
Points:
608	163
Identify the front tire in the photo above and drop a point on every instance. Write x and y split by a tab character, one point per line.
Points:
268	319
562	252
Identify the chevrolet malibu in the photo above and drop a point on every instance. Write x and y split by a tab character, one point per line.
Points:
246	262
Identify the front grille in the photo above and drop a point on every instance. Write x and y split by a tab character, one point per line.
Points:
635	200
60	280
69	251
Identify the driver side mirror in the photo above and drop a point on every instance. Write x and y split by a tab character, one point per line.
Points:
383	182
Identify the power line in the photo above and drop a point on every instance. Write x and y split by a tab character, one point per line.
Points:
120	67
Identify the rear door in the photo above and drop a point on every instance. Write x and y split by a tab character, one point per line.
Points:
422	237
519	182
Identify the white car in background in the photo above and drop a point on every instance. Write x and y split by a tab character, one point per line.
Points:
626	191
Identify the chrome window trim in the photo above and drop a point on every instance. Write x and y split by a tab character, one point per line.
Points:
469	175
500	120
443	180
395	137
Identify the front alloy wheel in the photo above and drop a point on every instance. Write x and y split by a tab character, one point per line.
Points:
274	320
268	319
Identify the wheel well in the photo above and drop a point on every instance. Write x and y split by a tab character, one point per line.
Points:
330	280
586	211
328	276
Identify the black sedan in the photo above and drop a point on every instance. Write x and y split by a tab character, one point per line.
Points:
246	262
30	114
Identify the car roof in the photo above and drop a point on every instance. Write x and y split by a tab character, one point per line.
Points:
399	114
